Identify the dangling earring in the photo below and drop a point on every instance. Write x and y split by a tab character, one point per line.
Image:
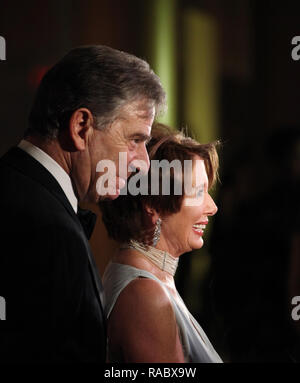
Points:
156	234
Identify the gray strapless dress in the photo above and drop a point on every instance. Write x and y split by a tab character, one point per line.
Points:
196	346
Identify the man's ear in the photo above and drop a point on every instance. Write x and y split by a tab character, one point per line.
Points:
80	124
153	213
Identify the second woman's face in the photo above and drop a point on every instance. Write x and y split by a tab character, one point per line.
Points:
183	231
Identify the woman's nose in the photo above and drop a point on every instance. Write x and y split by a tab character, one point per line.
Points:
211	207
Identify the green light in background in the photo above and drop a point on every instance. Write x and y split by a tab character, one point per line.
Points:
163	47
200	107
200	75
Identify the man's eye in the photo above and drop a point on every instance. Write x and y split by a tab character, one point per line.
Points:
137	140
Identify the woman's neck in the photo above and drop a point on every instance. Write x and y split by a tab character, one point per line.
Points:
133	257
170	246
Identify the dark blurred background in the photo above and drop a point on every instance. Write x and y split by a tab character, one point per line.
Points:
228	71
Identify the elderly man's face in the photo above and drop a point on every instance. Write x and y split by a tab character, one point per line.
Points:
128	134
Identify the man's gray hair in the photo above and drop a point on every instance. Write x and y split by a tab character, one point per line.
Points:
99	78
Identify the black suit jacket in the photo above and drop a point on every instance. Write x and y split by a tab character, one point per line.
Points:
48	275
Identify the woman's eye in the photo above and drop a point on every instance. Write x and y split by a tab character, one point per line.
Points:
199	193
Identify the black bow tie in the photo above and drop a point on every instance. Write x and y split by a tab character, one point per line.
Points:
88	220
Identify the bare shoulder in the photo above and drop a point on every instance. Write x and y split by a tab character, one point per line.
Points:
143	322
146	292
144	298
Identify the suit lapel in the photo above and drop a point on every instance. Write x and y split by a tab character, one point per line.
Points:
30	167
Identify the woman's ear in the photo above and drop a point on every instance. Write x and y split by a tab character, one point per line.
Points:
80	124
153	213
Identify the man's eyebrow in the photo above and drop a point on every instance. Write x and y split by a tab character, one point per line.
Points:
141	136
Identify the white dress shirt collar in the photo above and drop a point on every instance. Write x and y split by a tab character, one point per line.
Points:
54	168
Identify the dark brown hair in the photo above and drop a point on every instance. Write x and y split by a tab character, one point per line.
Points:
126	217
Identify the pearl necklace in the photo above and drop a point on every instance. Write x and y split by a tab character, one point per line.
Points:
162	259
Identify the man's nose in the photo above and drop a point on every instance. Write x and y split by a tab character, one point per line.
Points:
140	161
143	156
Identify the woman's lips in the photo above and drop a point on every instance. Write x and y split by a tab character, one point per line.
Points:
199	228
198	232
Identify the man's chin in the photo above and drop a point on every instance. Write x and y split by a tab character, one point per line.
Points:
108	197
111	192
